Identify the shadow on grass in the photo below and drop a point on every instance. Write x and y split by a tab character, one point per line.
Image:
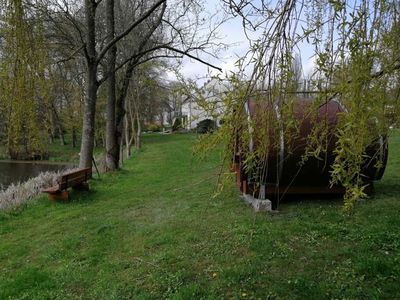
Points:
387	189
81	197
322	199
381	190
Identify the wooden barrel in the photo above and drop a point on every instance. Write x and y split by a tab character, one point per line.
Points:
282	171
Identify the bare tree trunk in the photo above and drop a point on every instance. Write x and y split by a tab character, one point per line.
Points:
127	137
74	138
62	138
120	111
161	119
121	152
87	143
129	132
121	114
138	142
51	130
57	123
112	148
122	106
51	136
119	128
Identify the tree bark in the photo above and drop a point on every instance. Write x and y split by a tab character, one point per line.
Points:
129	72
121	102
112	145
138	142
87	143
129	130
57	123
121	151
127	136
74	142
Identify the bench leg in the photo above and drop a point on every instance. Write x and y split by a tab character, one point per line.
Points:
63	195
84	186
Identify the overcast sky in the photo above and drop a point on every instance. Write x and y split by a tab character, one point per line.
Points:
231	33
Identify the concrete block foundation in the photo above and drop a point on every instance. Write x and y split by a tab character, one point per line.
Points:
257	204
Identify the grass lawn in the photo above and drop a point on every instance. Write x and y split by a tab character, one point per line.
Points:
67	153
3	152
153	231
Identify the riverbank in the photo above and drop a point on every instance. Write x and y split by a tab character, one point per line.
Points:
153	230
61	157
64	154
17	172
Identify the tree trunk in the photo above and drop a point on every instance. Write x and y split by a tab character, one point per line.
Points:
89	109
121	106
127	137
51	129
112	148
51	137
129	129
161	116
119	126
121	151
62	138
87	144
57	123
138	142
74	141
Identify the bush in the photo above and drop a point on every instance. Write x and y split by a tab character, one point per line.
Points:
205	126
154	127
177	124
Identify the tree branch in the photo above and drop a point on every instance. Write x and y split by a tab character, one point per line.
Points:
129	29
183	52
192	57
71	56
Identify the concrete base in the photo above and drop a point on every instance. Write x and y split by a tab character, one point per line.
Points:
257	204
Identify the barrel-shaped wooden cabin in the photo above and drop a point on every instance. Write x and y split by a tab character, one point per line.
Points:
281	172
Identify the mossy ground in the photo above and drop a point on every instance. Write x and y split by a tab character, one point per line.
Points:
153	231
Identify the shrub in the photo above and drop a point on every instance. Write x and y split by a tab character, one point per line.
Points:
205	126
154	127
177	124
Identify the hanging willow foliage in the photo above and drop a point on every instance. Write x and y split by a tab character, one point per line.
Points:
23	80
356	54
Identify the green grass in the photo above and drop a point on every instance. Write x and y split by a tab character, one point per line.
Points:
63	153
153	231
67	153
3	152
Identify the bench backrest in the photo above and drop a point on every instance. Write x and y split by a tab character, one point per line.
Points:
74	178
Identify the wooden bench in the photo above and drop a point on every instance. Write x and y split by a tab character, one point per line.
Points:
75	179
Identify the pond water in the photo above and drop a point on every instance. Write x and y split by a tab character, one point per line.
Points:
19	171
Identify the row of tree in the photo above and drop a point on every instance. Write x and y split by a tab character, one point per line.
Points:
63	62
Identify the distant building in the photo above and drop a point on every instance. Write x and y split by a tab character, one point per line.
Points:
210	106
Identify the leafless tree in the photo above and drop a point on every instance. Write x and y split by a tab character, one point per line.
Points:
118	36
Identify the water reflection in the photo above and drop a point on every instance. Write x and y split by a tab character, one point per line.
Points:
19	171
